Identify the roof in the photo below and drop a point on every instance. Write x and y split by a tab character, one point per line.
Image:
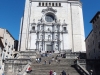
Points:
89	35
95	16
8	32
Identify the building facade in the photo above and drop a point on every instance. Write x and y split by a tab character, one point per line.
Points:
93	46
52	25
6	45
93	39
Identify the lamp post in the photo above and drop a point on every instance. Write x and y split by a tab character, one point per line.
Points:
91	72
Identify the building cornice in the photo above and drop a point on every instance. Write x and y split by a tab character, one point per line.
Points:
95	16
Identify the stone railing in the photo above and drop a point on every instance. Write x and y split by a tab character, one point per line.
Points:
72	56
80	65
14	66
27	54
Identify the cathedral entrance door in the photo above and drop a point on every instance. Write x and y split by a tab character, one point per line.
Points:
49	48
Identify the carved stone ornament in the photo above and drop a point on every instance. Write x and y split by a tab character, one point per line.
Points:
49	9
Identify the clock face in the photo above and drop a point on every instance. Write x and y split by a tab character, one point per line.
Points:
49	18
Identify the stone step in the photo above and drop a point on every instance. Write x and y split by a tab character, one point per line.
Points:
42	69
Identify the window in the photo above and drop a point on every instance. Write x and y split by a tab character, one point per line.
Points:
56	4
56	36
42	4
12	47
39	4
52	4
64	28
49	37
49	18
33	28
48	29
41	27
46	4
6	42
60	4
49	4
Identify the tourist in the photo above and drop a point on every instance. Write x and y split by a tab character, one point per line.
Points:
29	69
36	59
45	62
63	72
54	73
49	62
40	59
50	73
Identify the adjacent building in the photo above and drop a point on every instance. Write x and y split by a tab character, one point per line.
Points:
93	39
52	26
93	46
6	45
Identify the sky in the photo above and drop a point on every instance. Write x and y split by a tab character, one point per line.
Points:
11	12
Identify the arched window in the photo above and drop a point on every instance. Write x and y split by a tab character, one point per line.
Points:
49	4
52	4
56	4
42	4
60	4
39	4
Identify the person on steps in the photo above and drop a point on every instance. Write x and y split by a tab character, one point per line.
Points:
50	73
54	73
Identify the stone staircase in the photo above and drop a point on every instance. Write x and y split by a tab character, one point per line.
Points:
44	69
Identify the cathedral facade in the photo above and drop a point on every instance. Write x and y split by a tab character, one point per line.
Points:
52	26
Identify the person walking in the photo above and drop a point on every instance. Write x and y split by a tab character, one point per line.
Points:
54	73
63	72
45	62
29	69
51	72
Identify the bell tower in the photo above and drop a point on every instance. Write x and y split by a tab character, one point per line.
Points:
52	26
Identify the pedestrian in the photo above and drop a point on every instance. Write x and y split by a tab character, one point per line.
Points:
49	62
63	72
59	60
29	69
36	59
40	59
45	62
50	73
54	73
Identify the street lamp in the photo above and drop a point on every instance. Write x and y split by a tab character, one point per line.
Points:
91	72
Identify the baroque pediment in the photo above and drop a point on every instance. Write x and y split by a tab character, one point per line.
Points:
49	9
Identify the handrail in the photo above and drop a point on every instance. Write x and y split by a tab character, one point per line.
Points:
80	68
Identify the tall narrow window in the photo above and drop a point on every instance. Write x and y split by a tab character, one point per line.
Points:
49	37
60	4
39	4
64	28
52	4
56	4
42	4
49	4
46	4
